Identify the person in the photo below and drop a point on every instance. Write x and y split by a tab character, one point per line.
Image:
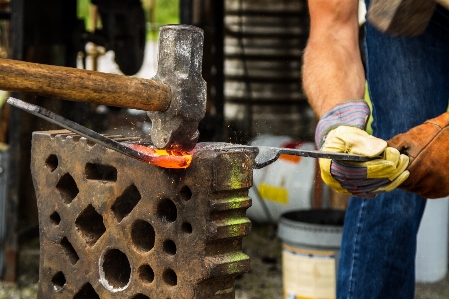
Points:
408	84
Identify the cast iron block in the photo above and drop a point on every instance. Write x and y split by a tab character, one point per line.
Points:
115	227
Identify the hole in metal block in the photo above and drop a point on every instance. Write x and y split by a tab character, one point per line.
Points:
75	138
166	211
170	277
86	292
55	218
116	270
99	172
126	202
185	193
140	296
58	281
142	235
52	162
146	273
91	225
67	188
169	247
187	228
69	250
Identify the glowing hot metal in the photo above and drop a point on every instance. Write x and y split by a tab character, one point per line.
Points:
163	158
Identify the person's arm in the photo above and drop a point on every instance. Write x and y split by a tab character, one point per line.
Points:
334	82
332	70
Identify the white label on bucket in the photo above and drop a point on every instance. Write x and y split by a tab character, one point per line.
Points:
308	274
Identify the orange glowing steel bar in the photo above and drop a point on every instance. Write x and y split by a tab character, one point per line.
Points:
164	158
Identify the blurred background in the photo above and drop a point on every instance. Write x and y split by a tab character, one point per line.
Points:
252	66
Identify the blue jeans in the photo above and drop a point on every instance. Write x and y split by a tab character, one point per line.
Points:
408	80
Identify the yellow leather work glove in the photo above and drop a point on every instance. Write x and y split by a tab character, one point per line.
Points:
342	130
362	179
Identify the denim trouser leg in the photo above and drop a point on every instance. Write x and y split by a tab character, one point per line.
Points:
408	81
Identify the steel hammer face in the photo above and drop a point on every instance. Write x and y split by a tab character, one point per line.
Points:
179	67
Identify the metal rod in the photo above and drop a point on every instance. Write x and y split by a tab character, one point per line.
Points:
219	67
14	125
186	12
76	128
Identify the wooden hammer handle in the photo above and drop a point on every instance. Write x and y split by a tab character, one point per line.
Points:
83	86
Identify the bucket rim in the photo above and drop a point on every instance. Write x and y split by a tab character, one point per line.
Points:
314	217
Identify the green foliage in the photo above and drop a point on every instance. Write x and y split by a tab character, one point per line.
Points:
83	12
165	12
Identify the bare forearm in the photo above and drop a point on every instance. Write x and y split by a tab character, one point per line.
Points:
332	70
331	76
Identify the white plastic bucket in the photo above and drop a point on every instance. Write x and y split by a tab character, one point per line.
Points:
311	249
283	186
432	244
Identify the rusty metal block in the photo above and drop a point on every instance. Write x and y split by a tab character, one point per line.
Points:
114	227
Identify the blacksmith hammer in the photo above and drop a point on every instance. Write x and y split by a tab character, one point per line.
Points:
402	17
175	98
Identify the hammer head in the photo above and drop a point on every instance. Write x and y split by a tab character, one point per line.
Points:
401	17
179	67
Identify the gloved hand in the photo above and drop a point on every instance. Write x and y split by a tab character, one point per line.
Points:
342	130
427	145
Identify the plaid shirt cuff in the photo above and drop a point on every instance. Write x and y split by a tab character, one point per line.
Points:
352	113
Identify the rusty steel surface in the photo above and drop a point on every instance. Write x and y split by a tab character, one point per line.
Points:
114	227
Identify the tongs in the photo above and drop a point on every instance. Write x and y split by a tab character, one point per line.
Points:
265	154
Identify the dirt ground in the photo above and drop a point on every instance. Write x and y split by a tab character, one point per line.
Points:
264	281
